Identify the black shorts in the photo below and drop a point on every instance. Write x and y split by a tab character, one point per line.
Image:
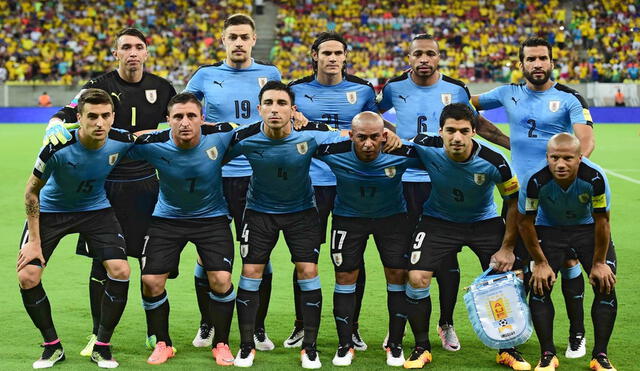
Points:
349	239
260	233
133	203
99	228
415	194
435	239
167	237
325	197
568	242
235	192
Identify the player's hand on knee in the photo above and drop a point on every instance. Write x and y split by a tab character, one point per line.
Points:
57	132
542	278
29	251
502	260
602	277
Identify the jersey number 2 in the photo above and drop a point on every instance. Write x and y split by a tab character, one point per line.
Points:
532	122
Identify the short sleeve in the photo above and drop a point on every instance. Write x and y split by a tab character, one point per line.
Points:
194	85
492	99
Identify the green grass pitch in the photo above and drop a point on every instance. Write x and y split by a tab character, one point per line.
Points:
617	149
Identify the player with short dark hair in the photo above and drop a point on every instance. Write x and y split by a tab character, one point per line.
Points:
564	206
230	92
140	100
368	202
190	208
65	195
332	96
538	109
460	211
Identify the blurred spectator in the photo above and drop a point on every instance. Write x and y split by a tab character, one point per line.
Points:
619	99
44	100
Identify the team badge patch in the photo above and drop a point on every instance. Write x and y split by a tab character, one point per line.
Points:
244	250
352	97
479	178
212	153
445	98
390	171
337	258
415	257
584	198
113	158
262	81
151	95
302	148
554	105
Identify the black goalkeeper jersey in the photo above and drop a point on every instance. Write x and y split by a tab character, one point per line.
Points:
138	106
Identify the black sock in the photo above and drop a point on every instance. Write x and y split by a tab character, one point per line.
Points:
222	305
296	299
573	292
603	314
397	312
418	307
97	279
265	297
311	297
360	286
113	303
36	303
157	311
201	282
542	314
448	277
247	302
344	298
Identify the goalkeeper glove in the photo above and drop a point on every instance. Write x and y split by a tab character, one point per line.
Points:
57	132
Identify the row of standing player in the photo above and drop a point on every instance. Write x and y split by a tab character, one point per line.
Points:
329	54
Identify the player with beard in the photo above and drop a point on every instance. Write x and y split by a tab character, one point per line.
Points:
538	109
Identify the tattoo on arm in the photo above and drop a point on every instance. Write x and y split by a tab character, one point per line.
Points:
33	208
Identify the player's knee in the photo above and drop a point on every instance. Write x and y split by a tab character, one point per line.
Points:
346	278
252	270
219	281
395	276
306	270
118	269
29	277
153	284
570	263
420	279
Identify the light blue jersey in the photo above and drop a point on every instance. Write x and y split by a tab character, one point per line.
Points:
190	179
368	189
534	117
335	105
75	175
462	192
280	181
418	108
588	194
231	95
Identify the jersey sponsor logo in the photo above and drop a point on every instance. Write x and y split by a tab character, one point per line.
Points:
151	95
586	114
415	256
390	171
531	204
113	158
262	81
117	95
337	258
509	187
554	105
404	99
302	147
309	97
39	165
352	97
479	178
515	101
599	201
74	165
219	83
584	198
445	98
212	153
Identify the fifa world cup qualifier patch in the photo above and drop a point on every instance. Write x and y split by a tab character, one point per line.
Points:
531	204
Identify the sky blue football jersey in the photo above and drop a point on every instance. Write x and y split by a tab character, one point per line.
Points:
231	95
75	175
588	194
335	105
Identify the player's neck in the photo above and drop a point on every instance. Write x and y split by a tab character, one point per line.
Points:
565	183
187	144
134	76
326	79
463	157
427	81
239	66
276	133
546	86
88	142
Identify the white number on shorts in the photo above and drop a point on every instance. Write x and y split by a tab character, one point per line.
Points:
245	233
343	235
419	238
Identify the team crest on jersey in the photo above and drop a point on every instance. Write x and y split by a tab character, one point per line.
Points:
415	257
113	158
337	258
554	105
212	153
244	249
152	95
479	178
390	171
446	99
584	198
262	81
352	97
302	148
